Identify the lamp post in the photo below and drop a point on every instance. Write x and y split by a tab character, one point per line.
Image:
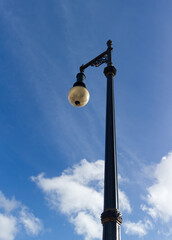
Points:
78	96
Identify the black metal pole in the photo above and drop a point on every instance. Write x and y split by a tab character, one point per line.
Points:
111	217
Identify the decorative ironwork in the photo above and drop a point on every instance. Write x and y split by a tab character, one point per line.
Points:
99	61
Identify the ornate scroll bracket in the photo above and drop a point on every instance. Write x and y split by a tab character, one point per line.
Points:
104	57
99	61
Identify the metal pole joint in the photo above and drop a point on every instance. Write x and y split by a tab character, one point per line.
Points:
110	70
111	215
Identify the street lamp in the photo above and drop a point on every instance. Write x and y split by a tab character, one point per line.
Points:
78	96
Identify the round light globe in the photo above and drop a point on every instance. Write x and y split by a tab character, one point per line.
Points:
78	96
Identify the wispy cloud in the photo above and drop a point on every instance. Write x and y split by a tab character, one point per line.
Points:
124	202
7	204
40	66
160	193
14	216
32	224
78	193
137	228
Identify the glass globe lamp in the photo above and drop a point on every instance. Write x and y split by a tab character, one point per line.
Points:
78	95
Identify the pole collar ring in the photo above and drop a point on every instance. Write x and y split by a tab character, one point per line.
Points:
110	70
111	215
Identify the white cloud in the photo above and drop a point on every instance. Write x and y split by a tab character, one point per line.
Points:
78	193
160	193
8	227
151	211
6	204
137	228
14	216
121	179
124	202
31	223
86	224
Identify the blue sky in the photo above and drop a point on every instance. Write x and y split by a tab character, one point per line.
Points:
51	154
